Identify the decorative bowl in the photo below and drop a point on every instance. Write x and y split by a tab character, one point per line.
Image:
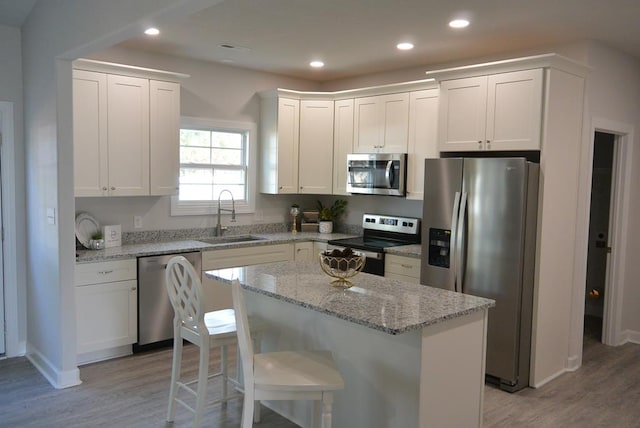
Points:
342	267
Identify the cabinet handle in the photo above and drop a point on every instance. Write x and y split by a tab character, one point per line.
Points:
105	272
406	266
133	288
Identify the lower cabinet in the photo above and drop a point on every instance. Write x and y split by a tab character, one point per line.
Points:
402	268
219	296
106	309
303	251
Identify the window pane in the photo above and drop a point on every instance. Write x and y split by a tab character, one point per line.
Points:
227	157
227	140
228	176
195	155
195	137
196	176
237	190
195	192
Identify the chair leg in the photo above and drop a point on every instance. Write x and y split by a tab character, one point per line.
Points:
203	373
247	410
175	377
225	374
327	401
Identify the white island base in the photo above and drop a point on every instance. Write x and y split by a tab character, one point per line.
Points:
410	355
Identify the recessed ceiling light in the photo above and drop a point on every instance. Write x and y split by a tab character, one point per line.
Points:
151	31
404	46
316	64
459	23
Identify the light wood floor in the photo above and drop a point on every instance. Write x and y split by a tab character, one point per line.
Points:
132	392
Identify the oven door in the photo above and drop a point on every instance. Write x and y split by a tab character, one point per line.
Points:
377	173
374	264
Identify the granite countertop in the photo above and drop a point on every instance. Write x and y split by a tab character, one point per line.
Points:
383	304
413	250
183	246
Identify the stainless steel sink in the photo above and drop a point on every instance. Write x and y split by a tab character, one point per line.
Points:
230	239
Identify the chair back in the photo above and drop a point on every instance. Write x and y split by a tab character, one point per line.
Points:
244	335
185	293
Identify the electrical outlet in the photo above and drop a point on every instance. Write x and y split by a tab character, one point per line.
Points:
137	222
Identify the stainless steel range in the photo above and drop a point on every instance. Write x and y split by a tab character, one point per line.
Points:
380	232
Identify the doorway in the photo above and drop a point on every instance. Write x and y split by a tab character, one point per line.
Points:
599	247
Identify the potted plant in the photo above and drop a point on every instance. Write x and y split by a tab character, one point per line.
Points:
97	241
328	215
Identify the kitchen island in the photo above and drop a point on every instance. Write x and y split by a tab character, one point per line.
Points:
410	355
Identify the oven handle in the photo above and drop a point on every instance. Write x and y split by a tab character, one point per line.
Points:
368	254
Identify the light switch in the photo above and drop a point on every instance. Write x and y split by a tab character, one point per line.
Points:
51	215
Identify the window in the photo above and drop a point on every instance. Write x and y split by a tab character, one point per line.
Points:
215	156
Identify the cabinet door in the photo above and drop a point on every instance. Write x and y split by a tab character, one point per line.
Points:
303	252
128	135
367	123
287	145
514	110
462	114
423	128
106	315
402	268
164	133
342	144
395	120
316	147
90	133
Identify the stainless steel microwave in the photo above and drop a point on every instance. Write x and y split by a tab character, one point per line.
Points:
377	173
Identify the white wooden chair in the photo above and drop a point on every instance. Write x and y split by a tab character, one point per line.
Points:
284	375
205	330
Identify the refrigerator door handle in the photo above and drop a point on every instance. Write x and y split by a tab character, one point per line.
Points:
460	256
452	242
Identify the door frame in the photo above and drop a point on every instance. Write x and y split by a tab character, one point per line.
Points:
12	211
618	222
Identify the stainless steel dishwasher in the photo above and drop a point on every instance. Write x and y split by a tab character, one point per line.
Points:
155	313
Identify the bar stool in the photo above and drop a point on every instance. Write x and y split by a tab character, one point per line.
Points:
284	375
205	330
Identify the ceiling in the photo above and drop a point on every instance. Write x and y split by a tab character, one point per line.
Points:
355	37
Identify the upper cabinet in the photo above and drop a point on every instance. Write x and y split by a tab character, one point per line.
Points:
423	131
381	123
342	143
315	158
126	134
493	112
280	132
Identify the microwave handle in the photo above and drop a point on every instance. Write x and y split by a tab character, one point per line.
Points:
388	172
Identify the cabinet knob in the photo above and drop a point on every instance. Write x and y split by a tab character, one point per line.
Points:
133	288
113	188
488	141
480	142
280	188
104	188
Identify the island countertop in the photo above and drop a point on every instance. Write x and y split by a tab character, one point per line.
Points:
383	304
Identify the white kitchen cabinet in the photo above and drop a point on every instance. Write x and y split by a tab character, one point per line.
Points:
423	134
318	247
501	111
164	137
126	135
342	143
280	133
106	309
402	268
315	161
381	123
303	251
217	296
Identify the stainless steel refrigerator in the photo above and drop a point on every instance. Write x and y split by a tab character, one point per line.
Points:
478	237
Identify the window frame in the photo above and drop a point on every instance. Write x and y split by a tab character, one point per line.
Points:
184	208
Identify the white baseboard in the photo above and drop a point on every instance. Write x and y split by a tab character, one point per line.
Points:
58	379
105	354
574	363
548	379
629	336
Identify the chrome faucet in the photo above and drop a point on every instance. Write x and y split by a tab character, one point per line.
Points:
219	228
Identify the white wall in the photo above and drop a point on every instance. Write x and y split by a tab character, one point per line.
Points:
13	205
54	33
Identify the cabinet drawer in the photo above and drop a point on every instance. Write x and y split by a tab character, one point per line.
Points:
220	259
96	273
405	266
